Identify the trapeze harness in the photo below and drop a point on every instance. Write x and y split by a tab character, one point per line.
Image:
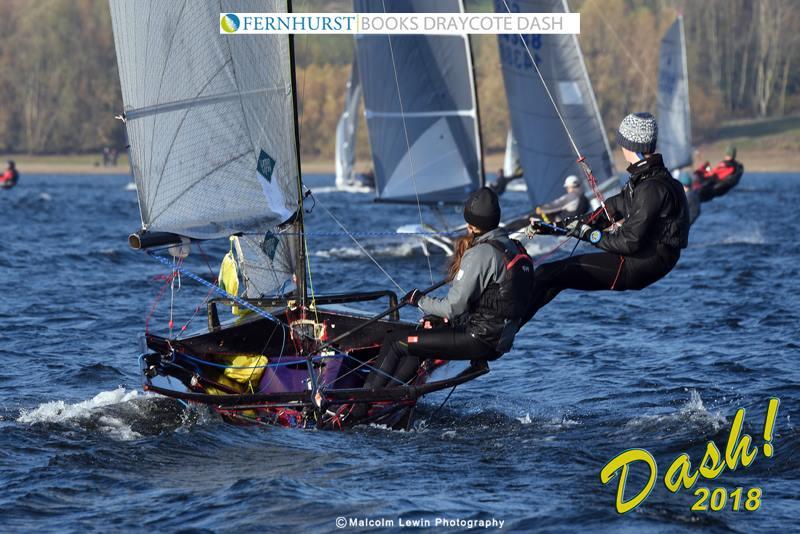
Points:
658	253
487	335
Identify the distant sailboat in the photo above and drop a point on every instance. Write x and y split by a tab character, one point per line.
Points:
674	117
346	134
511	164
421	109
544	149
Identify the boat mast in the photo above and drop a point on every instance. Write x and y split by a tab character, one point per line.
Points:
471	59
300	268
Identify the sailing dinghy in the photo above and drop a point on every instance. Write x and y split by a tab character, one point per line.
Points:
212	124
346	135
674	116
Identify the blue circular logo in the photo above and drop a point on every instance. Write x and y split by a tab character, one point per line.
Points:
229	23
595	236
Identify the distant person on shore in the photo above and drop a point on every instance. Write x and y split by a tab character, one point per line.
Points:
711	183
692	197
568	205
114	156
641	230
10	177
106	156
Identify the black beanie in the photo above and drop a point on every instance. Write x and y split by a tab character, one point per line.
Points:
482	209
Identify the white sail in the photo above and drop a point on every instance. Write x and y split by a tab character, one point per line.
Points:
211	125
421	109
511	163
674	119
210	117
544	149
347	130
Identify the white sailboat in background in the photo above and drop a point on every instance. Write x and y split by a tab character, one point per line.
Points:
674	116
346	134
512	166
422	115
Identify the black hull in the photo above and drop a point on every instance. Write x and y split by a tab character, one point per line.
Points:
286	395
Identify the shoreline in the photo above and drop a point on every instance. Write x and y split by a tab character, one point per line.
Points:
755	156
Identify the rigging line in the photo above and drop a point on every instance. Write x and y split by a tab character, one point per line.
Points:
546	88
360	246
311	282
622	46
408	142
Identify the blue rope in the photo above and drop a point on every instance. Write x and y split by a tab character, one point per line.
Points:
368	234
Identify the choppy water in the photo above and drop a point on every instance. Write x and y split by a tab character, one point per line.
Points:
81	448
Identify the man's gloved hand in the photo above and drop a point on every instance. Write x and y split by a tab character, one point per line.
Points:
413	296
584	232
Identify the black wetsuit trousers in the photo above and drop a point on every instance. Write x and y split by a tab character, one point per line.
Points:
601	271
402	354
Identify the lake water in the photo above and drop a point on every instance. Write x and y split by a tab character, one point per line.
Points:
664	369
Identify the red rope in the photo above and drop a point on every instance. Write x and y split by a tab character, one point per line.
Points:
619	271
593	183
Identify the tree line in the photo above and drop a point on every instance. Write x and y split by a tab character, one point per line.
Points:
59	86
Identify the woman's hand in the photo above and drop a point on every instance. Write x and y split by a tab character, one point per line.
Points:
412	297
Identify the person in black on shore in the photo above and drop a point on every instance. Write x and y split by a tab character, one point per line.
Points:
643	240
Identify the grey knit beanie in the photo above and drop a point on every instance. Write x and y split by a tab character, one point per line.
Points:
638	132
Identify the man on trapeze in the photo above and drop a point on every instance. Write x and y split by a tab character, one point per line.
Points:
641	230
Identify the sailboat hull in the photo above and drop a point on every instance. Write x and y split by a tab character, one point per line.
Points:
288	388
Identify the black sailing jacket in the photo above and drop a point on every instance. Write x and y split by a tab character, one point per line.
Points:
654	207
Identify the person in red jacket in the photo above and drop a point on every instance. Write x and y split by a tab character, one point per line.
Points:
9	178
712	183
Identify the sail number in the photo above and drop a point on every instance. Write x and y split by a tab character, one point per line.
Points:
513	53
716	499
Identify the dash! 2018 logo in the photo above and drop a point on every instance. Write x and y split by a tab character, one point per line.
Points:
738	452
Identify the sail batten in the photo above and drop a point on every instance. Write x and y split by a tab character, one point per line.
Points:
133	114
421	109
674	118
545	151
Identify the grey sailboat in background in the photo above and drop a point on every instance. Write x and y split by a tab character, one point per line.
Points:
421	109
544	149
674	117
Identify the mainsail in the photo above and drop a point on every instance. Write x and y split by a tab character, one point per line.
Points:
211	124
347	129
674	121
545	151
421	109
